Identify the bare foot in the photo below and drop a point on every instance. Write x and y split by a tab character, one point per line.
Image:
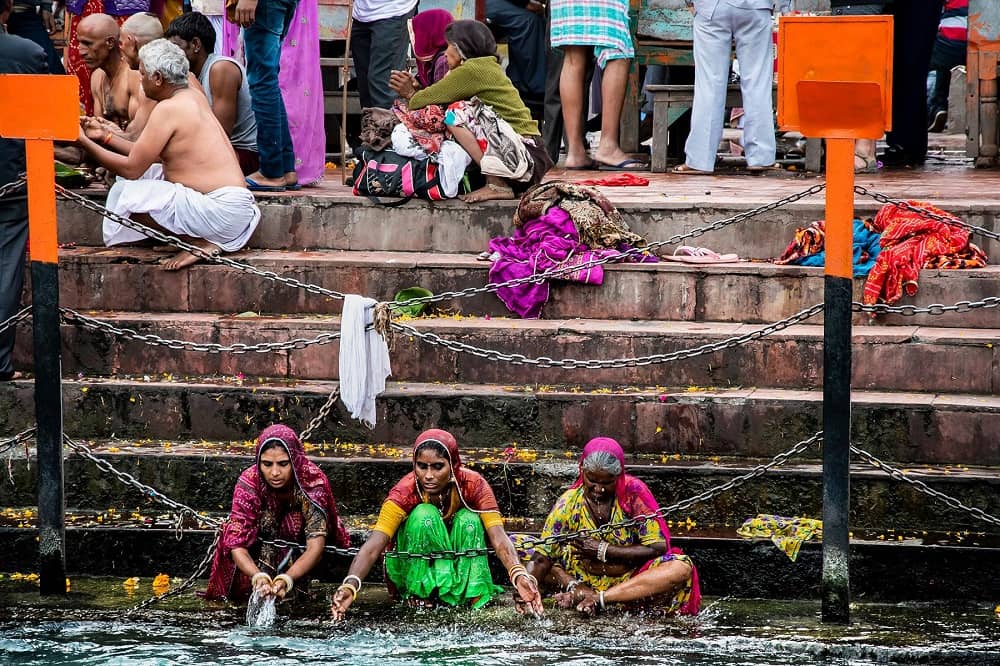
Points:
185	258
488	192
611	158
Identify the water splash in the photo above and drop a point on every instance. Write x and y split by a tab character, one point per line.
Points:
260	611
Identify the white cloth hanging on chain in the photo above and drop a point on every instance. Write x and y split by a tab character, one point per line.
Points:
364	359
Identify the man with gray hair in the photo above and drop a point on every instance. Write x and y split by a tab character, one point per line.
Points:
202	196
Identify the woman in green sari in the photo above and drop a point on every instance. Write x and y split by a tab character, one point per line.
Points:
439	506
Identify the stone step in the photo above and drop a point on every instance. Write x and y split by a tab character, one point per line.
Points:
202	476
336	220
908	428
130	279
880	570
897	358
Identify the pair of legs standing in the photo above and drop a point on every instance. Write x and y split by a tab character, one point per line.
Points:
714	32
573	92
262	41
378	47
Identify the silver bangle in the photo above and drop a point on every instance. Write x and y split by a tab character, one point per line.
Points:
602	551
600	597
347	578
570	586
257	576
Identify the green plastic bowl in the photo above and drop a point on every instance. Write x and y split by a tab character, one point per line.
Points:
416	309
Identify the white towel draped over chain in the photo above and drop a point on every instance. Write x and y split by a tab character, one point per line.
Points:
364	359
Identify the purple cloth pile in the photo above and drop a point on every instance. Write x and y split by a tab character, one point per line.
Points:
542	244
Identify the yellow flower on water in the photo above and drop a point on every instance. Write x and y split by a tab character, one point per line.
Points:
130	584
161	584
68	585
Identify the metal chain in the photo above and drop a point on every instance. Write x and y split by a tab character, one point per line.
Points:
19	438
900	475
193	249
616	256
13	320
594	364
324	413
947	219
187	584
9	188
74	317
130	480
934	309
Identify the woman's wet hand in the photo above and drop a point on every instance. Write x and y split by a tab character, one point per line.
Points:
342	600
587	547
528	599
588	600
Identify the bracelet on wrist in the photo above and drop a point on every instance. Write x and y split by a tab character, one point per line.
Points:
289	583
347	578
260	575
602	551
570	586
348	586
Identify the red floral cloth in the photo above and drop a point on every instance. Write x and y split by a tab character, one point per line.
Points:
255	506
911	241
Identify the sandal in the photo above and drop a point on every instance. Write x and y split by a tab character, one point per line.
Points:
870	164
684	169
687	254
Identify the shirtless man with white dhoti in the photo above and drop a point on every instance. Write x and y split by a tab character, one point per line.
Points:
202	196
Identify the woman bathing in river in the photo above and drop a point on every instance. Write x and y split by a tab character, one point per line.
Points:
633	565
283	495
439	506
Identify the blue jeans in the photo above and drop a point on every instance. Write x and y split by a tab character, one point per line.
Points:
262	42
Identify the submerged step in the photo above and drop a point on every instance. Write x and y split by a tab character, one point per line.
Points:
693	420
900	358
202	475
880	571
130	279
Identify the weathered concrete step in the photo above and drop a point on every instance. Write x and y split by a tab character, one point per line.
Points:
880	571
130	279
338	222
899	358
203	478
903	427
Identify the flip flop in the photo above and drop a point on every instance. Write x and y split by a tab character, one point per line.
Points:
685	170
293	187
687	254
625	165
254	186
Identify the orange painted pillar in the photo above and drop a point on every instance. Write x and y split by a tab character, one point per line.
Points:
40	109
835	82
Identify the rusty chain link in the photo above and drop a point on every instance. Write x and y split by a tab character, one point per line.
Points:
595	364
324	413
77	319
21	437
8	189
947	219
935	309
130	480
12	321
900	475
187	584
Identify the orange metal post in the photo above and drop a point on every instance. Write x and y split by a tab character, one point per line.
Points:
39	109
835	81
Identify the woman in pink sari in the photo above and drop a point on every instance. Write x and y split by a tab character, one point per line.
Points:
301	84
283	495
632	565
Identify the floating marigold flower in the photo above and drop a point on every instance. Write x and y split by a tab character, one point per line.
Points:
161	584
131	584
68	585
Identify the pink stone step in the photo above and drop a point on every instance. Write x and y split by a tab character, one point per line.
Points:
900	358
130	279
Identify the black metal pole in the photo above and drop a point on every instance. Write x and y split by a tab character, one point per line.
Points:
49	419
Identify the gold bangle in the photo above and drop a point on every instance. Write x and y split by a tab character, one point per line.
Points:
257	576
348	586
289	583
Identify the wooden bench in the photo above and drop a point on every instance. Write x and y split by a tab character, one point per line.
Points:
671	101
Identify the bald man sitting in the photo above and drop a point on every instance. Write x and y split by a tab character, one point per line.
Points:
202	197
114	85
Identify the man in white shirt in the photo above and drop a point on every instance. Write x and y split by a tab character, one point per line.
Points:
380	24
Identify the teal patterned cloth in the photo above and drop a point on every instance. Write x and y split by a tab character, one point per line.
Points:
602	24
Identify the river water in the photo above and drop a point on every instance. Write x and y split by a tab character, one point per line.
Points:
89	628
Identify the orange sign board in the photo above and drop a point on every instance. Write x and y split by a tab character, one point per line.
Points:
40	106
839	50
